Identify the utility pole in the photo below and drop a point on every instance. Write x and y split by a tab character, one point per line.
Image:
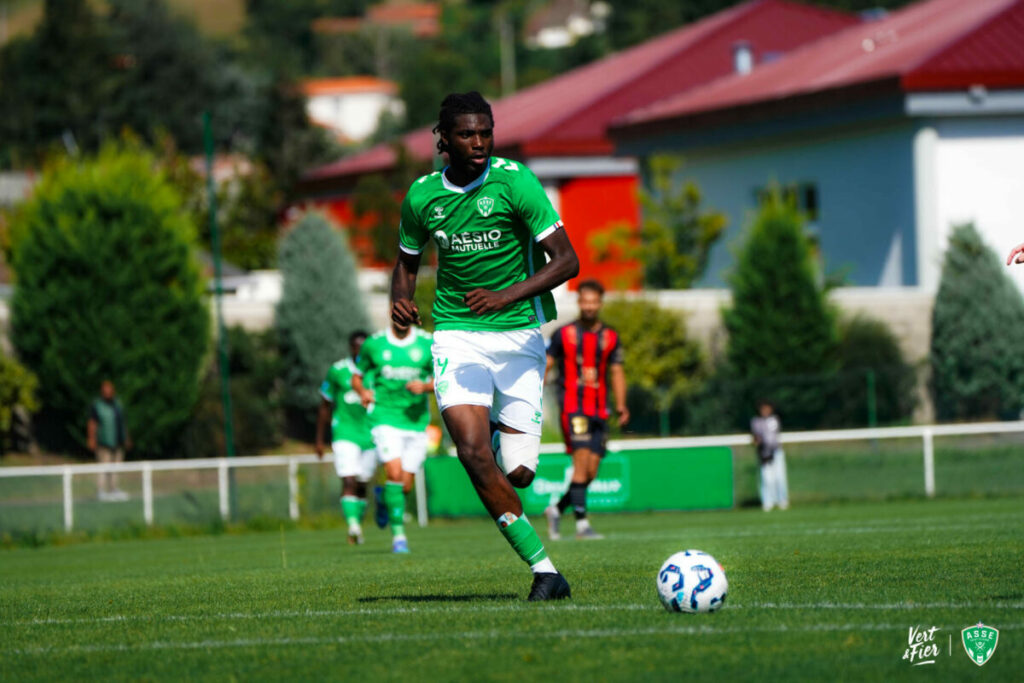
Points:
507	45
222	341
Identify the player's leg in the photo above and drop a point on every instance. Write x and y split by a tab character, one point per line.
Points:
469	427
348	464
585	465
390	443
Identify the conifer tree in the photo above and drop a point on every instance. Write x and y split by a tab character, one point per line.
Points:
320	306
783	334
977	334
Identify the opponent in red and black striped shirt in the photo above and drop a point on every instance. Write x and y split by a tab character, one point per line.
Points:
588	356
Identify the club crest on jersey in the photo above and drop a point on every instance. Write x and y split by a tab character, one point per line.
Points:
485	205
442	239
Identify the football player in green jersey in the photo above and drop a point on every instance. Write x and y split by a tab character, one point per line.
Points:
355	459
393	379
501	250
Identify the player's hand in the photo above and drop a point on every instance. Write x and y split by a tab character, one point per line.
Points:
1016	255
405	312
482	301
417	387
366	397
319	448
623	413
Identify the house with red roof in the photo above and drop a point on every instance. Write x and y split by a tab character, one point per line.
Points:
887	134
559	127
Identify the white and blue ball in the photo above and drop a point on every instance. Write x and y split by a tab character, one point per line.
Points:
692	581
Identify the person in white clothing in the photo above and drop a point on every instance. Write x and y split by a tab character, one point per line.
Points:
767	432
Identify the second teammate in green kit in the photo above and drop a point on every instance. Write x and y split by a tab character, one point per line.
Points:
393	380
501	250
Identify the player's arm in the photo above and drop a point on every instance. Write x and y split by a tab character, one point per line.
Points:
323	418
1016	255
618	376
562	265
365	393
403	289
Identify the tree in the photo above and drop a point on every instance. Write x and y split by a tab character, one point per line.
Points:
320	306
108	287
663	365
873	374
54	84
782	330
18	388
675	236
977	334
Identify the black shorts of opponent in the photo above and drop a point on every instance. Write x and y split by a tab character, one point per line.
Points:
584	431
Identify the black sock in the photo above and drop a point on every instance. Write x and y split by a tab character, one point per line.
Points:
564	502
578	496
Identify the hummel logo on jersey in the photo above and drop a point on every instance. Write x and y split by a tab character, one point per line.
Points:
438	212
485	205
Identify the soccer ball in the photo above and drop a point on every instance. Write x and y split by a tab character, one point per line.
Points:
692	581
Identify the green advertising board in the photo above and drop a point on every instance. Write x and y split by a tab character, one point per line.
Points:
635	479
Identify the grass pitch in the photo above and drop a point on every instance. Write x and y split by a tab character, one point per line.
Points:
823	592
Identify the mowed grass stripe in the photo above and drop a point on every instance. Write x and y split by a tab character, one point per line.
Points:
512	607
503	635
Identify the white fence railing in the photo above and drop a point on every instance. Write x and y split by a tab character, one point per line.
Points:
926	433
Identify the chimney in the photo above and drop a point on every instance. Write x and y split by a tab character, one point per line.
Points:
742	57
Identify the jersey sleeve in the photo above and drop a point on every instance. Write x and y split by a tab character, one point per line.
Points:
533	206
412	233
365	362
615	355
329	387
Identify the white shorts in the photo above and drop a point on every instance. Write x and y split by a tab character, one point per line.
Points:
352	461
408	444
503	371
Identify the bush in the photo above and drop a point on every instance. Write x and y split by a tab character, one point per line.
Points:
108	287
254	365
320	306
870	354
18	388
663	365
977	334
782	330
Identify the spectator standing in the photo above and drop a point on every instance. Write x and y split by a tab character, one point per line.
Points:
767	432
108	439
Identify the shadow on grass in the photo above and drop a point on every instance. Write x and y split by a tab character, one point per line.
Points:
471	597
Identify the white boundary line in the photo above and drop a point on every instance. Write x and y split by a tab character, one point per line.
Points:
511	607
502	635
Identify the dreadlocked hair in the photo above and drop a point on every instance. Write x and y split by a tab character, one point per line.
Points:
456	104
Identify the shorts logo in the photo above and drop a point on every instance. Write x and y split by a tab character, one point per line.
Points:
485	205
980	642
580	425
442	386
442	239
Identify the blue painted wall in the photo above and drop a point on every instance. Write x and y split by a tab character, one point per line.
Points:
865	182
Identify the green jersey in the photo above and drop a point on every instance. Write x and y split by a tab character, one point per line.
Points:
487	235
387	364
349	421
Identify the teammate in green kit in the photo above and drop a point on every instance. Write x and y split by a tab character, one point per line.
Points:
354	457
501	250
393	379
